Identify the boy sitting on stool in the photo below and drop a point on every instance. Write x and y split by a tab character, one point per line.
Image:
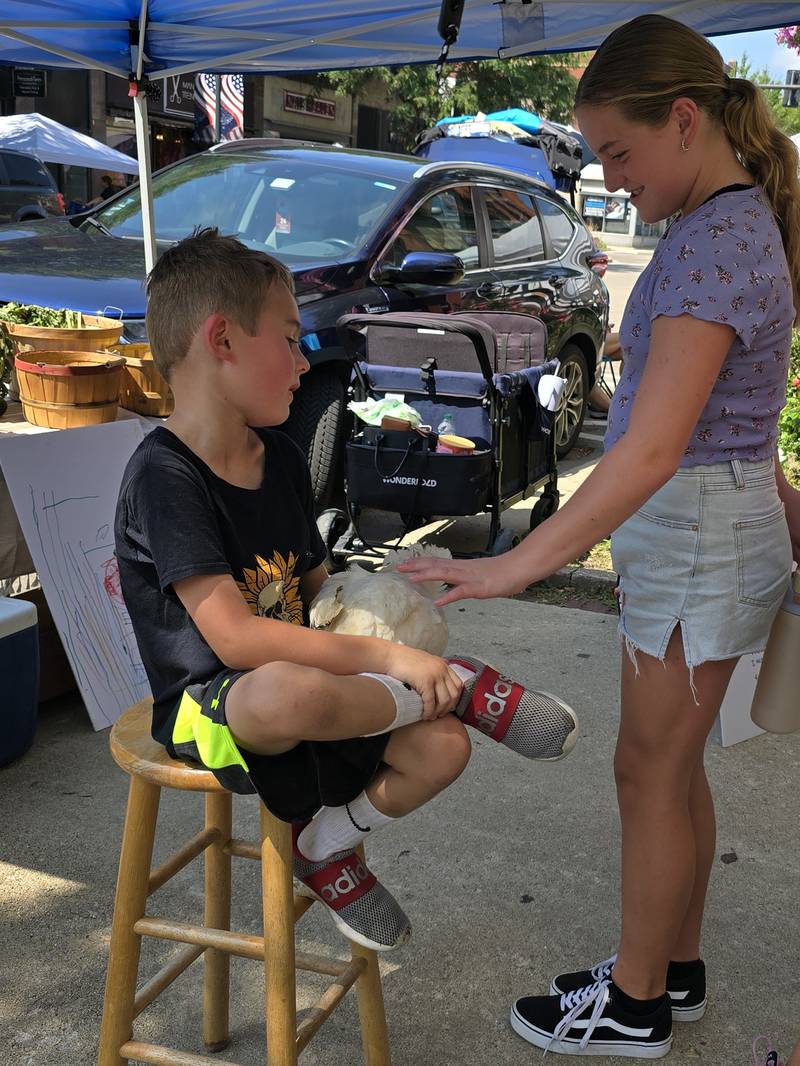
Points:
219	555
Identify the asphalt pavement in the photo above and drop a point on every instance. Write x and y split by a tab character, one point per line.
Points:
509	877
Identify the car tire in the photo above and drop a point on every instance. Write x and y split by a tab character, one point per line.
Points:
332	525
574	400
316	425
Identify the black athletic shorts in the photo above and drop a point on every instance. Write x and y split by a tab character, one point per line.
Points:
293	785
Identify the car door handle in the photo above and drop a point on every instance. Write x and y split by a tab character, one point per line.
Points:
557	280
491	289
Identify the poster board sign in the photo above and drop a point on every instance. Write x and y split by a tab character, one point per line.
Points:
734	723
64	488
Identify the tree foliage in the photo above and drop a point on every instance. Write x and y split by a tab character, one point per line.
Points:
786	118
789	36
544	85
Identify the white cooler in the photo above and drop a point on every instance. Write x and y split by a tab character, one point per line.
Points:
19	676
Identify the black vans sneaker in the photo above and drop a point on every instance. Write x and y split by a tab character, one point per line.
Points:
592	1021
687	991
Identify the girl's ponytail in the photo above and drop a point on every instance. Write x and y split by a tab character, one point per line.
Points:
772	159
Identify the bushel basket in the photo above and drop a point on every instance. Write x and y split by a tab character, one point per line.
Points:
143	389
64	390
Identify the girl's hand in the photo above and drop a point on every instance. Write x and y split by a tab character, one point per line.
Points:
478	579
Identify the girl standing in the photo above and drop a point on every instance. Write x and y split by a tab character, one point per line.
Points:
704	522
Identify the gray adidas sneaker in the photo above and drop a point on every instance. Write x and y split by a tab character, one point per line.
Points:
363	910
534	724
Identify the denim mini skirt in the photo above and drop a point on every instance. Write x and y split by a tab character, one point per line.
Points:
709	551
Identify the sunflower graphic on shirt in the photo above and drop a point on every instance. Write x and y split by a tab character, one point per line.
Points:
271	590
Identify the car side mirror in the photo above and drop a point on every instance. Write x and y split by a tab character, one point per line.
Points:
424	268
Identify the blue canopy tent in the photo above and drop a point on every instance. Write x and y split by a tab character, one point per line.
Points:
157	38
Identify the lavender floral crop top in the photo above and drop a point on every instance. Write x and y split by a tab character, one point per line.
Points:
724	262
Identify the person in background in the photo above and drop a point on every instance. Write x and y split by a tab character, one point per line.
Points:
692	490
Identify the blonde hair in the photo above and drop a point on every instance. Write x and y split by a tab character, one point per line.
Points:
673	61
201	275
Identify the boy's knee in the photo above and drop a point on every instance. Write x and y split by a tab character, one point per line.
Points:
447	751
287	697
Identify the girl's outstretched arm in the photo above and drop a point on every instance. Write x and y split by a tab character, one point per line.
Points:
685	357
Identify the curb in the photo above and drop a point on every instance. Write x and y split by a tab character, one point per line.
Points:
584	578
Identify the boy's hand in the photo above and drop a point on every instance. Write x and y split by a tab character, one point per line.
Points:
430	676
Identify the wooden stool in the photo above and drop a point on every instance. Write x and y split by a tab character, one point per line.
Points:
151	769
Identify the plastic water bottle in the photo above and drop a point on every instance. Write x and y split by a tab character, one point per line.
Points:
447	425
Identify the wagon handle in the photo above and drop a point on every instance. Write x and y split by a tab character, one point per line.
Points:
348	325
385	473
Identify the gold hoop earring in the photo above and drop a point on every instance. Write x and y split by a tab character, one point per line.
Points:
684	145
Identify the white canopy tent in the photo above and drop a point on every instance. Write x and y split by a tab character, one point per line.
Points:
54	143
141	39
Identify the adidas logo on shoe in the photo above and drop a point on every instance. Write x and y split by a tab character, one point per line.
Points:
348	879
361	908
534	724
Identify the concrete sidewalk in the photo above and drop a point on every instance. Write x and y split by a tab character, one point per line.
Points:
509	877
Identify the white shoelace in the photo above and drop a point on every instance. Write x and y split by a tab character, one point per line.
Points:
602	971
575	1003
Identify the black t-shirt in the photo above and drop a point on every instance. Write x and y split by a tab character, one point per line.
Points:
176	519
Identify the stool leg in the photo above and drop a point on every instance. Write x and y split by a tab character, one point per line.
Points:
217	915
279	964
374	1034
131	898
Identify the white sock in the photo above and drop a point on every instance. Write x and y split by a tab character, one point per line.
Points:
463	672
408	703
333	829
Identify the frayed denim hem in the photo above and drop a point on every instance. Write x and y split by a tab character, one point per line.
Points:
631	648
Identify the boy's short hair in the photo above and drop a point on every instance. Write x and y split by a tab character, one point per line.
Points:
200	275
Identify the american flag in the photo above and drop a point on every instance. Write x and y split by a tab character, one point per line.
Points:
231	118
232	91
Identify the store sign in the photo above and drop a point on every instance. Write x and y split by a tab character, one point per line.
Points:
594	206
178	95
309	105
29	82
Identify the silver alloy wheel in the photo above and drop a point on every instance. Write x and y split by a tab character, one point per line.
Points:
569	416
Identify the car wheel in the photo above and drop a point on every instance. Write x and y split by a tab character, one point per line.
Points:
332	525
574	399
316	425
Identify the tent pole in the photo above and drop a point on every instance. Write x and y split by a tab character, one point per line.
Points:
145	180
143	146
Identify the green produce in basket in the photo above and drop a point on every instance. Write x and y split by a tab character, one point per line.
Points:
45	317
6	362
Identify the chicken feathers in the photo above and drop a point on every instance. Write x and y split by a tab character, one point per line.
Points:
385	603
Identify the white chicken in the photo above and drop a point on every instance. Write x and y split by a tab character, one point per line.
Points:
384	603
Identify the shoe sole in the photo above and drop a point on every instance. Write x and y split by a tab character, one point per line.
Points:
689	1014
302	889
679	1014
629	1050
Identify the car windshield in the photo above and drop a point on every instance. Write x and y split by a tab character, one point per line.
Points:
297	209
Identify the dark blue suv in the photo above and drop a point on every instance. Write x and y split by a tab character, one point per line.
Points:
361	232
